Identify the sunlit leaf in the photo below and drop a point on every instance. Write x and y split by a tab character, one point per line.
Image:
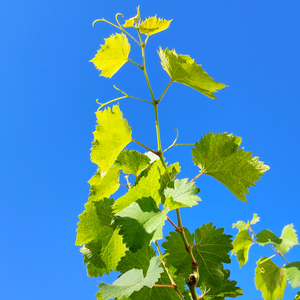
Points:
134	21
241	246
240	225
270	279
112	55
131	281
132	162
103	184
154	25
292	272
180	193
255	219
112	135
104	246
183	69
141	222
140	260
218	156
289	239
151	183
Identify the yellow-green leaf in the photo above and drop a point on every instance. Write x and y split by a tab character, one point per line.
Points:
154	25
111	136
112	55
183	69
241	246
218	156
270	279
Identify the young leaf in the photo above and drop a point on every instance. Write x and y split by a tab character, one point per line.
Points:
141	222
267	236
227	289
289	239
103	244
151	184
111	136
132	162
183	69
218	156
240	225
297	297
103	184
180	193
292	272
134	21
178	256
112	55
255	219
210	251
241	246
270	279
132	281
154	25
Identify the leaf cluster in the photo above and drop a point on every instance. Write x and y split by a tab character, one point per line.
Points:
270	279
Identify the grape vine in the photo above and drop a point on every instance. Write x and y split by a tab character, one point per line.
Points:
120	234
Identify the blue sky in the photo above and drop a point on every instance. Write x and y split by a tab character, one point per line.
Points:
48	90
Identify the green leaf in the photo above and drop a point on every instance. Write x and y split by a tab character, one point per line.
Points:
270	279
210	251
289	239
103	256
151	183
132	281
183	69
255	219
292	272
140	260
111	136
178	256
267	236
103	184
218	156
137	260
180	193
227	289
132	162
112	55
240	225
103	245
141	222
241	246
154	25
297	297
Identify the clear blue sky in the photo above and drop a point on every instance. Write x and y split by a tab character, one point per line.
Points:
48	90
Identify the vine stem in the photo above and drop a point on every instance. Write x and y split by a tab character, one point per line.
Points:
163	93
159	152
135	63
174	285
139	143
176	227
197	176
